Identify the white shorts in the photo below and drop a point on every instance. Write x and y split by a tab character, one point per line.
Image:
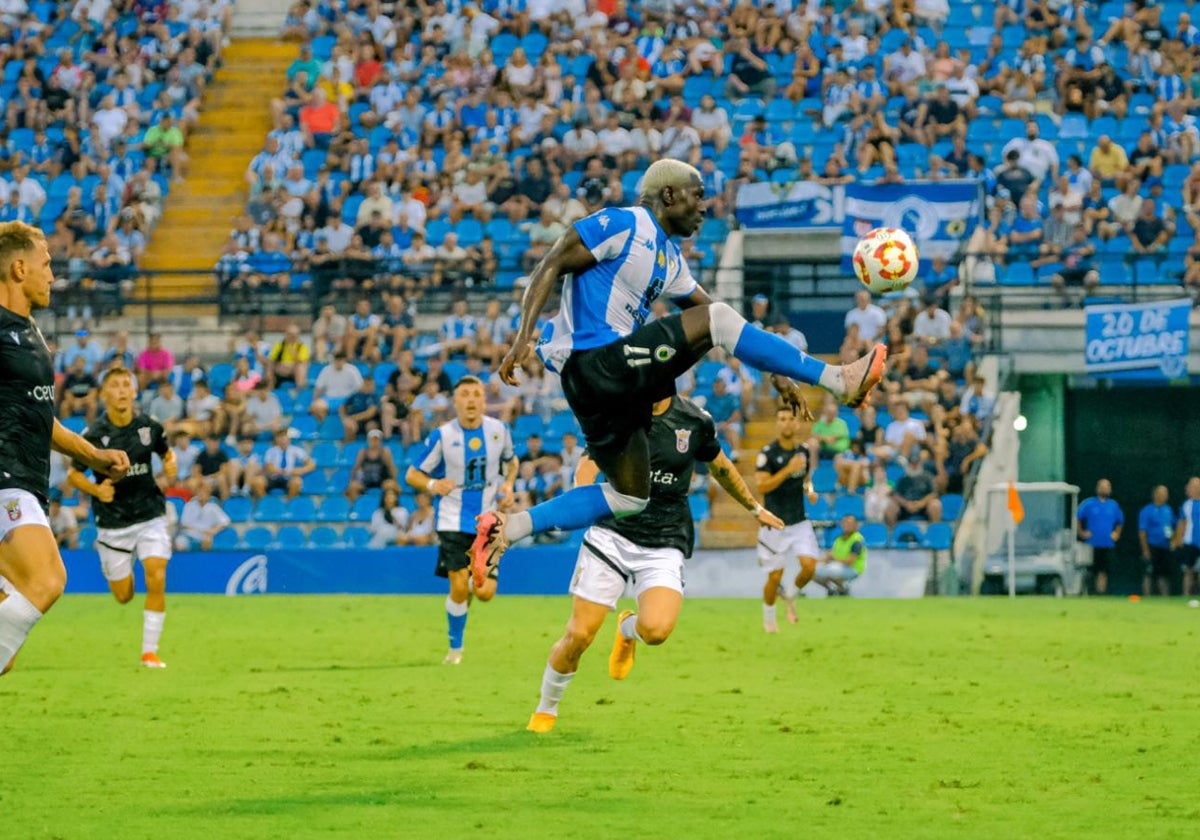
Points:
117	547
777	547
17	508
607	562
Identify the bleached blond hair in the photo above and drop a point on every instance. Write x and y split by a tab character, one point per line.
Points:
667	173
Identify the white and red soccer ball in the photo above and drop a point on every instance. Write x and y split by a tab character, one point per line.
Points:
885	260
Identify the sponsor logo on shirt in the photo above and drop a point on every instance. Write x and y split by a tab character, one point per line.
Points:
144	435
683	439
43	393
13	509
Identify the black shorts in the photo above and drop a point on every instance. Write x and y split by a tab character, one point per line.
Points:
613	388
1187	556
277	482
1101	557
1159	564
452	553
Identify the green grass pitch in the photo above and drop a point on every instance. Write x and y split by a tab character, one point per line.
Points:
323	717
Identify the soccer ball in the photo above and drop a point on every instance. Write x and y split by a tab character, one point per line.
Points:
885	260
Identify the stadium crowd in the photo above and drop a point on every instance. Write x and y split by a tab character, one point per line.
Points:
98	98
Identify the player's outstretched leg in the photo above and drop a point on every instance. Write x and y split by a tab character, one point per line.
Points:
586	620
155	613
770	595
718	324
35	576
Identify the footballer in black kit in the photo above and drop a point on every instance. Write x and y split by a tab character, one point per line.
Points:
646	551
679	437
137	498
782	474
26	406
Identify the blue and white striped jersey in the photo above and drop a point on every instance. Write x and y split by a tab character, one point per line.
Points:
1189	512
474	460
636	263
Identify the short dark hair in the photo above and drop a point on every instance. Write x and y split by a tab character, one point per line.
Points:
468	380
118	370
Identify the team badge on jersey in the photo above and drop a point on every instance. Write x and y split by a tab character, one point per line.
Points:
13	509
683	439
144	435
474	443
664	352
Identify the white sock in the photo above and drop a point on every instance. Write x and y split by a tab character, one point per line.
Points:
152	625
768	612
518	526
832	380
629	628
553	686
454	607
17	617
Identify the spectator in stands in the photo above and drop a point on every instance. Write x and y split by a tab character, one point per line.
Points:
287	362
1027	233
428	410
458	332
329	332
167	408
726	411
202	519
830	434
1108	163
845	561
940	117
389	522
286	464
335	384
211	467
374	467
955	353
904	433
84	347
867	316
205	412
932	324
782	327
79	391
421	522
956	457
154	363
1036	154
1077	266
246	476
362	333
749	74
164	142
360	412
1149	234
915	495
318	119
977	403
1014	178
920	380
262	411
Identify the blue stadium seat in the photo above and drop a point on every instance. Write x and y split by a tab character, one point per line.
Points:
304	426
820	511
397	450
313	160
337	483
331	428
562	423
470	232
350	453
844	505
173	501
824	479
698	503
256	539
270	509
526	425
435	231
364	508
325	455
356	537
907	535
324	537
938	536
952	504
238	509
225	540
333	509
290	537
1073	127
828	535
87	536
1017	273
875	534
322	47
75	424
301	509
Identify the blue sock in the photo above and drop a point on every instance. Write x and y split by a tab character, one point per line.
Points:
574	509
767	351
456	619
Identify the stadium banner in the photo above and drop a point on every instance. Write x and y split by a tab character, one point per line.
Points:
797	204
938	215
542	570
1138	340
539	570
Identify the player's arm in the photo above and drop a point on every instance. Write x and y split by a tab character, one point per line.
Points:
1177	534
568	255
79	480
510	477
112	462
1144	542
428	484
770	482
727	475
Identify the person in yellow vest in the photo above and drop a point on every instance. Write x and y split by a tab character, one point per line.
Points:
845	561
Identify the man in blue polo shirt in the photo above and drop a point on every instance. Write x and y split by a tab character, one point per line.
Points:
1187	535
1156	525
1099	525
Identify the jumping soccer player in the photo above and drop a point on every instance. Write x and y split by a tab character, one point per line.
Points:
647	549
461	468
32	575
782	476
614	366
131	519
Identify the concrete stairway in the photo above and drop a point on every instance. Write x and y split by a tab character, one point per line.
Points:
199	212
730	525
